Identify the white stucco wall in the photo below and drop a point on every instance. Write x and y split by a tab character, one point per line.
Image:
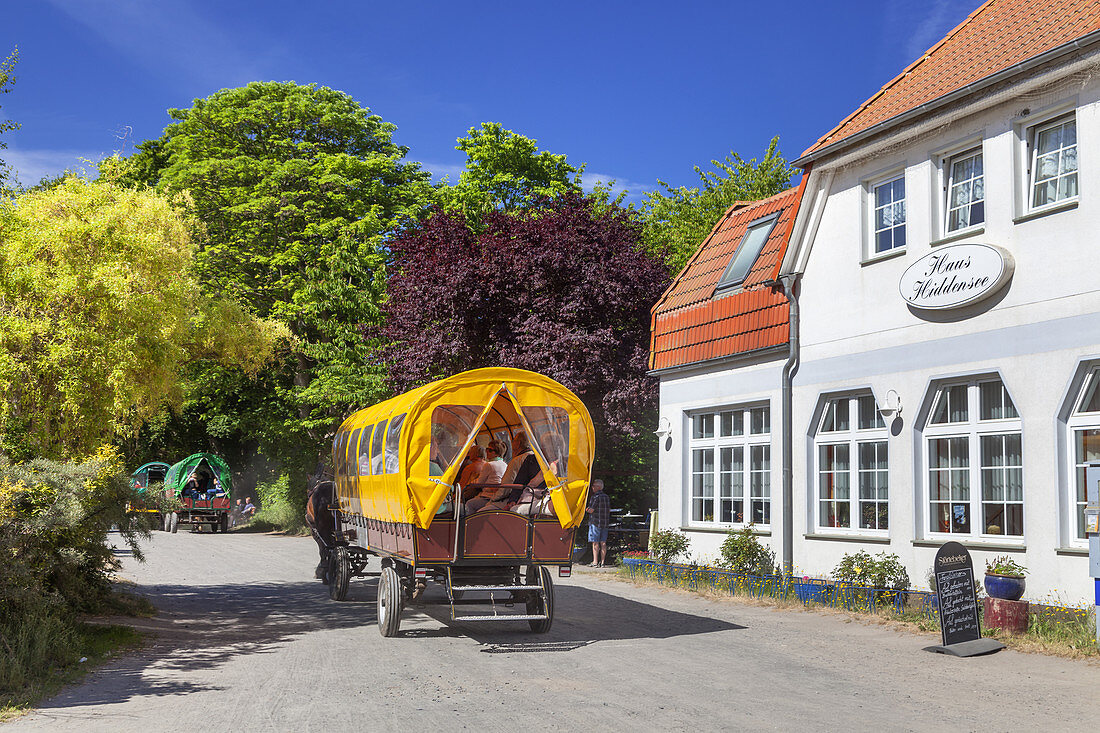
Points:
859	334
682	395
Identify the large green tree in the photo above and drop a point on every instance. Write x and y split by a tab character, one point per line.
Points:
100	313
297	188
677	220
506	172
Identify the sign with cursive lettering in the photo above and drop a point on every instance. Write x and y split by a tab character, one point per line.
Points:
956	275
955	589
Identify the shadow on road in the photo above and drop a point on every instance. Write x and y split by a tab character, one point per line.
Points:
582	616
202	627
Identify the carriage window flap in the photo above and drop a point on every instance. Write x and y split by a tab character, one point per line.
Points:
377	462
393	435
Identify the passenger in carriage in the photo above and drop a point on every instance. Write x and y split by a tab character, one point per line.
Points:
491	472
533	499
527	471
521	451
475	459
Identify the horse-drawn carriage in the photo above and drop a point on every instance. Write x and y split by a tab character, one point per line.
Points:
398	496
141	480
203	484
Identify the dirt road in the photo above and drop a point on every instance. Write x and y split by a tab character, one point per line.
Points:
247	640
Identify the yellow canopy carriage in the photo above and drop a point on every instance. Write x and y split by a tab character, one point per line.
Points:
397	466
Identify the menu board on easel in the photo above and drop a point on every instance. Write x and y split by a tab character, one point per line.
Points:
958	601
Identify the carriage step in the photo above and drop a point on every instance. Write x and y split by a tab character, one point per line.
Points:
503	617
492	587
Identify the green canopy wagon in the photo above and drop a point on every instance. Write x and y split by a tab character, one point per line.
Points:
140	480
203	484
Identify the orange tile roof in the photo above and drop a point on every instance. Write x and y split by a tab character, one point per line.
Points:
999	34
690	326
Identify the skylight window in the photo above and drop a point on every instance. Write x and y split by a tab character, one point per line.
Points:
747	251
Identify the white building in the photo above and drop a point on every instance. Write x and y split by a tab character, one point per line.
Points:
946	269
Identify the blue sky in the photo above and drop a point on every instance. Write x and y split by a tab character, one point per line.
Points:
638	90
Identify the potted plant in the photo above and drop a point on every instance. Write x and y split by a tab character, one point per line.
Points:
1004	578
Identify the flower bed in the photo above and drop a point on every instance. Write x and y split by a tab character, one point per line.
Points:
848	596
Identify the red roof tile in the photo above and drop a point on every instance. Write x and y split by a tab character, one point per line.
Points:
999	34
690	326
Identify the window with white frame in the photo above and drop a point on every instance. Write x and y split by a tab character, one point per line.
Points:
965	187
975	460
1084	427
853	483
888	215
731	466
1052	165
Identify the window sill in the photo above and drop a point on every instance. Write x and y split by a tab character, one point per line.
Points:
725	530
877	539
1052	209
1079	551
973	545
972	232
883	256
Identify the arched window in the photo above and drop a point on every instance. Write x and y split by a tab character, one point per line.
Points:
1084	437
975	460
853	483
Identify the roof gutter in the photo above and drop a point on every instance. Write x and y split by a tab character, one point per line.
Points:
1026	65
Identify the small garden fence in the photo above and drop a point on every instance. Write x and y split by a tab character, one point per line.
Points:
862	599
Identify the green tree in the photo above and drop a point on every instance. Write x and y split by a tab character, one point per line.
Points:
99	312
297	187
505	171
7	68
677	220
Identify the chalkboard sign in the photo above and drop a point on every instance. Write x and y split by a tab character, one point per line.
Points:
955	588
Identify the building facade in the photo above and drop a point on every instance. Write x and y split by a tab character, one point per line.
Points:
948	313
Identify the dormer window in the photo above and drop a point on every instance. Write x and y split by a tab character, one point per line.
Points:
748	249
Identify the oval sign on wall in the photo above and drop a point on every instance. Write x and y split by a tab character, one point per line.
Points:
956	275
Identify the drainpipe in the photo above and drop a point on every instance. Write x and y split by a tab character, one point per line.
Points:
787	282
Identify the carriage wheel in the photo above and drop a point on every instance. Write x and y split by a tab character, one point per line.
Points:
389	602
225	522
215	526
534	600
174	522
339	575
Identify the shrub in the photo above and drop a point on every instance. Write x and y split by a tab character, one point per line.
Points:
54	520
282	505
668	544
882	571
742	552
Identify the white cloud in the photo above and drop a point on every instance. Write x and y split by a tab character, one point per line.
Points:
634	191
32	165
934	23
165	36
440	170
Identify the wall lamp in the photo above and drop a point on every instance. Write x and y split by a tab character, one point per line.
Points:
891	406
664	432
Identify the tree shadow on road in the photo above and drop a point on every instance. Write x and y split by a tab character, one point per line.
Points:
203	627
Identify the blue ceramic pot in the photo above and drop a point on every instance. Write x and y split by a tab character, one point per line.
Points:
1003	586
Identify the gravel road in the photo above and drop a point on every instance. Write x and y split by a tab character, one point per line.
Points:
247	640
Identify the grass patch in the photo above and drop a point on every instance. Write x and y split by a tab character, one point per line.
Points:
46	656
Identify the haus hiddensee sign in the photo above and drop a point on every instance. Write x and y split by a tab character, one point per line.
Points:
956	275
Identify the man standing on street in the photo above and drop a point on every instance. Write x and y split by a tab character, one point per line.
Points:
599	516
